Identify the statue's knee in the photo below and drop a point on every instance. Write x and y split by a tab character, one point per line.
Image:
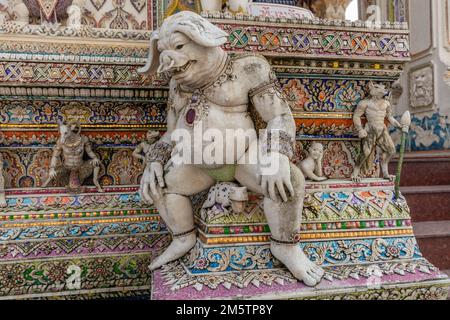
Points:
171	181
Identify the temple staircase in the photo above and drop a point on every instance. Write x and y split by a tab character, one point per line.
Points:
426	186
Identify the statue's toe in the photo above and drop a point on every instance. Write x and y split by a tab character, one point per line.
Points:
158	263
318	270
314	275
309	279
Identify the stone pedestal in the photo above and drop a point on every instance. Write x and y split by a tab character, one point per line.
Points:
358	233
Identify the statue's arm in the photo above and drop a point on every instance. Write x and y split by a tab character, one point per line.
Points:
278	141
57	150
88	149
359	112
161	151
390	116
137	153
318	168
271	104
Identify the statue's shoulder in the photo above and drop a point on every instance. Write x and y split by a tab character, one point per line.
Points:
254	66
248	56
250	59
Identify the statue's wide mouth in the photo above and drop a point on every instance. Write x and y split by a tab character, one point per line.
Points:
180	70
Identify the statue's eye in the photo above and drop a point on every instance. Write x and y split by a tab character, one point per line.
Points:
179	47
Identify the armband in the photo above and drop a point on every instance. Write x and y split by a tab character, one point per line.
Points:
281	142
159	152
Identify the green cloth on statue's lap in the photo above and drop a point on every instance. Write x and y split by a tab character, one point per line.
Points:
223	174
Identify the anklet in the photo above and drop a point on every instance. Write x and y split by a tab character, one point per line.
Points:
183	234
286	243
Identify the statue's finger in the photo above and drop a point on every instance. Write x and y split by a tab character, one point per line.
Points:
289	186
280	187
153	185
272	193
146	194
264	185
160	180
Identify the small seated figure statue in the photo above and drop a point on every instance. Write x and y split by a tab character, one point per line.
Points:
2	184
71	147
375	134
143	148
312	165
224	198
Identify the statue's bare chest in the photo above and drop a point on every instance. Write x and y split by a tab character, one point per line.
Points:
377	108
73	149
229	94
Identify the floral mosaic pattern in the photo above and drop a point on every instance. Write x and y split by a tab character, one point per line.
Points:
430	132
57	200
324	95
29	168
203	260
50	111
97	273
47	231
137	243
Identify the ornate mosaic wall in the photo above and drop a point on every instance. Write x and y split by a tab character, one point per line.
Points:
97	84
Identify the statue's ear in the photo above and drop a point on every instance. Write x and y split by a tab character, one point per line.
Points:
153	56
202	32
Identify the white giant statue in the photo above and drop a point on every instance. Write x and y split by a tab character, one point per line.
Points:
212	90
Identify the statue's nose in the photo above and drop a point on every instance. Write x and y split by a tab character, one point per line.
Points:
166	60
166	63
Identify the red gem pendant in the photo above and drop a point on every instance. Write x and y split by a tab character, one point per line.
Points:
190	116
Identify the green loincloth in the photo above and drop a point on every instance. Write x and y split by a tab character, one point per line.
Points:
223	174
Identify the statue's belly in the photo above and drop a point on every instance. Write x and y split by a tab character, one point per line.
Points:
73	162
218	137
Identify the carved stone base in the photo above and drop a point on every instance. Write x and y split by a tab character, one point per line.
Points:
174	282
359	233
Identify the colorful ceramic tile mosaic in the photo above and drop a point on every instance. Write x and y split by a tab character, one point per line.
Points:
57	245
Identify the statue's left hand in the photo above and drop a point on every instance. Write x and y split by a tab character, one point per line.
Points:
277	177
95	162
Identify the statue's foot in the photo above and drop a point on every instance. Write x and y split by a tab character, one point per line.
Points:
356	178
100	189
297	263
178	248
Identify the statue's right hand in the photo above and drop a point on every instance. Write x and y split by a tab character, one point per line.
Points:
52	174
362	134
152	182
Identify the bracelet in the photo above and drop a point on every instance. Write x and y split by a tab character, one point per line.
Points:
183	234
283	144
294	242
